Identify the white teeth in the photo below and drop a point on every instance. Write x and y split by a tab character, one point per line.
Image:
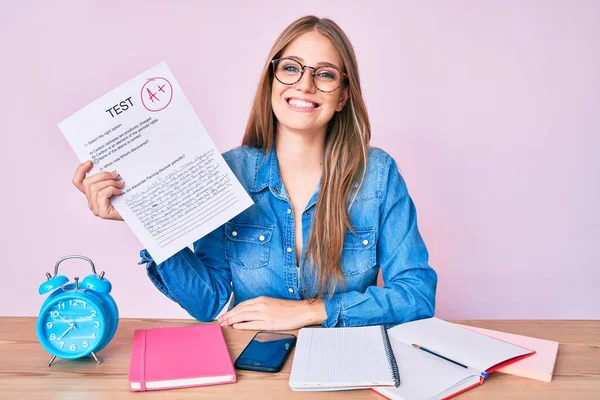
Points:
301	103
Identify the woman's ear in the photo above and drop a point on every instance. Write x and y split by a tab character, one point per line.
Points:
342	100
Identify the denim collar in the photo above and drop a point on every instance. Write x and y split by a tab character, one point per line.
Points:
267	175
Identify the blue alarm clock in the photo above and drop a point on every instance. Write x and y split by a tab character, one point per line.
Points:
77	319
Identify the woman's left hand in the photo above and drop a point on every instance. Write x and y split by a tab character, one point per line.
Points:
267	313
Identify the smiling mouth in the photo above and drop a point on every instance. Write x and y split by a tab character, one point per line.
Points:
301	103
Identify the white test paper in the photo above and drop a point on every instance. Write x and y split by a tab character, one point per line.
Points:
178	187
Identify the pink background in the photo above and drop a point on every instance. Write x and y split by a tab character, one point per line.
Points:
492	110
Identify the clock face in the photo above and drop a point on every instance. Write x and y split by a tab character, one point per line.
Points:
72	327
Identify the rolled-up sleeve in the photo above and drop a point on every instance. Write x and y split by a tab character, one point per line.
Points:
409	281
198	280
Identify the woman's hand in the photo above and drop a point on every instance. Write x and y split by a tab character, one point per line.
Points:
98	189
267	313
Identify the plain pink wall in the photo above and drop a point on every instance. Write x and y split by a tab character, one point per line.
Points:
492	111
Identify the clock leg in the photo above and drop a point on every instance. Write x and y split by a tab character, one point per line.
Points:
51	360
98	361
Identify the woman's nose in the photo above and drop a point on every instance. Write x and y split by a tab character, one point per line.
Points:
306	83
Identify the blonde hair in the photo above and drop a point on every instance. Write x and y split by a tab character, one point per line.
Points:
346	147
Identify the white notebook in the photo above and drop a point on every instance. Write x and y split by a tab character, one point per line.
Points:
426	376
343	359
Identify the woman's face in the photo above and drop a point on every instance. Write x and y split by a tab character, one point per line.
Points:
301	107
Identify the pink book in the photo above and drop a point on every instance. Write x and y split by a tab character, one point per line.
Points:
178	357
539	366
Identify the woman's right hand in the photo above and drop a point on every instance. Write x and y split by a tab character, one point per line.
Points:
98	189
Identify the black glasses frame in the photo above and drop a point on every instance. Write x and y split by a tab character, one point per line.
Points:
314	69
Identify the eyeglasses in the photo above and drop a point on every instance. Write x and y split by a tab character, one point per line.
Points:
289	71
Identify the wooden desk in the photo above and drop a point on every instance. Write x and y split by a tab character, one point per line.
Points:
24	374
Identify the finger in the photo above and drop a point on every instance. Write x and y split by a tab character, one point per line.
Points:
241	307
104	206
91	180
255	326
244	316
99	177
80	172
255	300
234	311
257	304
94	189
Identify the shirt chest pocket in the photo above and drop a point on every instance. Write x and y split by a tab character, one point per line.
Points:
359	252
248	245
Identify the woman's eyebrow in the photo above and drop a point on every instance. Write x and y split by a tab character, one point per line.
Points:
319	64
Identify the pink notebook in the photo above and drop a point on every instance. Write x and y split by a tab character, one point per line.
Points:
178	357
539	366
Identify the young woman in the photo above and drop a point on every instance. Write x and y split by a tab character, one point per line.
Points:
329	211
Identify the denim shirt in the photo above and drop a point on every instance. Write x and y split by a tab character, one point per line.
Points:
254	254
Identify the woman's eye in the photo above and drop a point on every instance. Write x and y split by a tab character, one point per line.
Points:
290	68
326	75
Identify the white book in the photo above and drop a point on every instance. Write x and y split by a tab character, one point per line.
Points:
428	376
343	359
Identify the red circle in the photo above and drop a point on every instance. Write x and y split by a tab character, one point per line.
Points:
150	103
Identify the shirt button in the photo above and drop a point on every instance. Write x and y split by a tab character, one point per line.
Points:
307	212
233	233
291	290
289	249
261	238
365	242
289	210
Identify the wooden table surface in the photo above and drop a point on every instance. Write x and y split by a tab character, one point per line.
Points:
24	373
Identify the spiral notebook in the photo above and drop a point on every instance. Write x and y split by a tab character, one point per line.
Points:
343	359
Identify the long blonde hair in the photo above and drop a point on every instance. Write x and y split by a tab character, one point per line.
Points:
346	147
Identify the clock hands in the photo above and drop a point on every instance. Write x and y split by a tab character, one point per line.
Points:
68	322
71	326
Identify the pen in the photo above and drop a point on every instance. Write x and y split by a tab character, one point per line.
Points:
416	346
